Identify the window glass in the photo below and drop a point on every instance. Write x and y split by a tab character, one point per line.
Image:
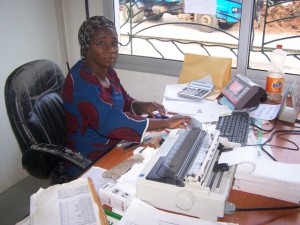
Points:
245	31
168	29
276	23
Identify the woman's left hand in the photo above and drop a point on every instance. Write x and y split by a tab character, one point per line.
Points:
148	108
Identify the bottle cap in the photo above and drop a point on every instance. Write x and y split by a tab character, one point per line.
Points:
279	46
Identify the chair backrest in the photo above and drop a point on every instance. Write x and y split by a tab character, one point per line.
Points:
33	97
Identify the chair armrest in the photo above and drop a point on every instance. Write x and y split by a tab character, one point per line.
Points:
63	153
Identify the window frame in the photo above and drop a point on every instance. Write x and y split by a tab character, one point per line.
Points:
172	67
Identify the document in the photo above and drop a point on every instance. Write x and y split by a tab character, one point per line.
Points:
171	93
181	107
73	203
140	212
96	173
265	112
211	112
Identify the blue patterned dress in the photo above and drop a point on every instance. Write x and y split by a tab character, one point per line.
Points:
97	118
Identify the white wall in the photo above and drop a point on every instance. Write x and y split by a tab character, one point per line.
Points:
74	15
28	31
145	86
35	29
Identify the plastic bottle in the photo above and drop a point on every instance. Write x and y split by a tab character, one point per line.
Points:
276	74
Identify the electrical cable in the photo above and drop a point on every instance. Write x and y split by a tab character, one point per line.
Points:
297	132
268	208
284	132
293	132
265	151
266	130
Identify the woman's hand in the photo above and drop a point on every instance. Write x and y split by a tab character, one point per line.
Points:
177	121
148	108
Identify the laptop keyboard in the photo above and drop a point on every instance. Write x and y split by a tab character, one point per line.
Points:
235	127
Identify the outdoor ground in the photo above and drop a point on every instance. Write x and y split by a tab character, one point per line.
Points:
281	11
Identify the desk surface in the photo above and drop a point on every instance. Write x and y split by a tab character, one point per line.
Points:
243	199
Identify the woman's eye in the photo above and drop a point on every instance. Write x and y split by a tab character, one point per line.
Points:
101	43
115	44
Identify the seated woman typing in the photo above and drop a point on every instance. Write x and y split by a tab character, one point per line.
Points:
99	112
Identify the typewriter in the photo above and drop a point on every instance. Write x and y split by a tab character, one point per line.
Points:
185	177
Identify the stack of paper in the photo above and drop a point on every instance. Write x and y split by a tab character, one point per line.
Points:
71	203
272	179
264	176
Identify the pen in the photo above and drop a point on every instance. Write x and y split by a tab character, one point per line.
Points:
128	147
125	144
141	151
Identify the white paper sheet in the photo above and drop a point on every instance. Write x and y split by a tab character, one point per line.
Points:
210	113
244	157
265	112
66	204
272	179
181	107
96	174
171	93
140	212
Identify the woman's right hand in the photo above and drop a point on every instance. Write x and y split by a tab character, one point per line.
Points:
177	121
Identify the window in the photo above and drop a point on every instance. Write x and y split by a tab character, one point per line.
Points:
155	34
276	22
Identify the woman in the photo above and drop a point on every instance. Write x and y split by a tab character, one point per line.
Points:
99	112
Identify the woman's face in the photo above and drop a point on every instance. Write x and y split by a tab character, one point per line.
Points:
104	48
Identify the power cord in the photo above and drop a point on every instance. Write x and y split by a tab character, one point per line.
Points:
266	130
268	208
290	132
283	132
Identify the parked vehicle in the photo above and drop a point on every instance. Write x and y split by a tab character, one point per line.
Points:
228	12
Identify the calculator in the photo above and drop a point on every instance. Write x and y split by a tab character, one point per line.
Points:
197	89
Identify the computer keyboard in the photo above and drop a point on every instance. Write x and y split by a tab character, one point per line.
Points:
235	127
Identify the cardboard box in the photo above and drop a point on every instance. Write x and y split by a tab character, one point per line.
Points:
115	197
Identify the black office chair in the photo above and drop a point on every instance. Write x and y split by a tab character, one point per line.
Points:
35	109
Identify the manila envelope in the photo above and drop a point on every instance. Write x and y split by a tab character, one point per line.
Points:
196	67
